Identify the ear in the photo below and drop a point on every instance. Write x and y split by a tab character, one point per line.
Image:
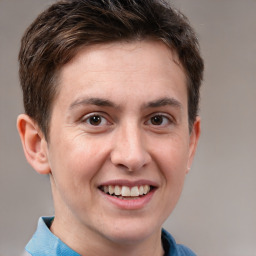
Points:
34	144
194	137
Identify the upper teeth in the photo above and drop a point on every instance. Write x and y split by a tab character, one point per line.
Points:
127	191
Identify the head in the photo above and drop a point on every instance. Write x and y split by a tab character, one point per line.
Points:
58	34
111	91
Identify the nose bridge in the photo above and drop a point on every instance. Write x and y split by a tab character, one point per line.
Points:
129	148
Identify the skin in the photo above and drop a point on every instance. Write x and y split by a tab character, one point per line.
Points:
135	131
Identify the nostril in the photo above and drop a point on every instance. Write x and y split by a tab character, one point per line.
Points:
126	167
129	163
122	166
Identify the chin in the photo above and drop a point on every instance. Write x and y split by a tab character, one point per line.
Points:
132	232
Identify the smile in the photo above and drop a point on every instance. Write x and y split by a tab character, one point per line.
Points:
125	192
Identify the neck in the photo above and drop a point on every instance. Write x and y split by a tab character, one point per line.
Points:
89	243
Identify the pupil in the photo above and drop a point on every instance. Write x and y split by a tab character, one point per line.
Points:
157	120
95	120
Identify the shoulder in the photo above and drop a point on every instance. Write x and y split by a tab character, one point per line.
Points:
171	248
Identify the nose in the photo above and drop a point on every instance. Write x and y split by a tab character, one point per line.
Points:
129	150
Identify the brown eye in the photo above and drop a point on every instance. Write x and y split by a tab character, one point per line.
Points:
95	120
157	120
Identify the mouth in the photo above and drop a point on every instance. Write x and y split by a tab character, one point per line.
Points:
125	192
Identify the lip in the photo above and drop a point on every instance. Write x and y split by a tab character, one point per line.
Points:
129	204
129	183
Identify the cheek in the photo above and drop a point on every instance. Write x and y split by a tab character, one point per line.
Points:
74	166
172	163
76	160
172	159
173	153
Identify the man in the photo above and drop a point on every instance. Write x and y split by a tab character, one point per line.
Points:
111	91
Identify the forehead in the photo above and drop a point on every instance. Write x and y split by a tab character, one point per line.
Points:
150	63
145	52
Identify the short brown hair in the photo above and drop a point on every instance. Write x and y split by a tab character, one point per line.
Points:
58	33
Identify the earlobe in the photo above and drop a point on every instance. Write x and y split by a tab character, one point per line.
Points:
34	144
194	137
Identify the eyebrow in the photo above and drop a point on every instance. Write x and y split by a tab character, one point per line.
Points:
93	101
164	102
107	103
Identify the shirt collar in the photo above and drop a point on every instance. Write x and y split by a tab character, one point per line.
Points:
44	242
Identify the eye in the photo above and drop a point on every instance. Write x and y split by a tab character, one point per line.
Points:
95	120
159	120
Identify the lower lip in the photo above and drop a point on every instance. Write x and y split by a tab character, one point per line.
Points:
130	204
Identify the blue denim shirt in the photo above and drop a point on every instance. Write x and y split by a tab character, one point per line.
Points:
44	242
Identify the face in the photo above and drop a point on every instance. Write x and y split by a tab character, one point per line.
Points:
119	146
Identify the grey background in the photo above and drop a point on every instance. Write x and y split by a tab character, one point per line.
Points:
216	215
